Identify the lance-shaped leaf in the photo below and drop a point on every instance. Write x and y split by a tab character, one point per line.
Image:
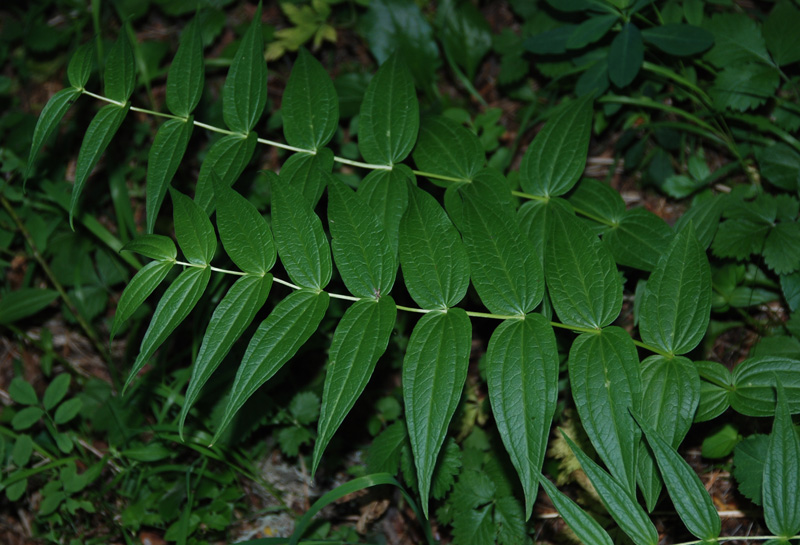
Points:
360	339
153	246
386	192
306	172
101	130
309	107
639	239
25	302
434	260
186	73
163	161
679	39
444	147
138	289
555	160
244	94
782	473
277	339
671	387
619	503
434	371
48	120
176	304
389	120
689	496
231	317
505	273
243	231
606	384
625	55
301	241
585	527
227	158
360	247
674	314
80	66
120	76
522	362
583	280
193	229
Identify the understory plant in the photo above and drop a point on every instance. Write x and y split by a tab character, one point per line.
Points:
434	238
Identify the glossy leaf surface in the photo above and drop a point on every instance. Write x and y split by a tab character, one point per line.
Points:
309	107
227	158
753	384
639	239
585	527
120	76
244	94
444	147
48	121
193	229
307	173
186	74
782	473
386	192
166	153
138	290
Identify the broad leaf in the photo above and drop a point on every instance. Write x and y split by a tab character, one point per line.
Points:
138	289
625	56
782	248
780	33
446	148
389	120
301	241
679	39
599	199
231	317
621	505
522	363
153	246
748	466
585	286
753	385
277	339
309	107
187	72
227	158
780	164
243	231
585	527
99	134
434	260
51	116
24	302
535	222
704	216
306	173
606	384
744	87
715	389
782	473
639	239
360	339
193	229
590	31
244	94
383	455
163	161
175	305
360	247
434	372
465	34
80	66
120	76
737	39
386	192
56	391
556	158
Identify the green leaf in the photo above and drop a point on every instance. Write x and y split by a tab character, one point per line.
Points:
360	339
509	521
625	56
434	260
704	215
193	229
679	39
68	410
465	34
507	276
790	285
585	527
446	148
244	94
447	467
309	107
386	192
22	392
599	199
243	231
434	372
619	503
26	418
675	311
748	465
522	363
555	160
166	153
99	134
304	407
590	31
307	173
153	246
138	289
782	472
535	221
24	302
383	455
389	120
585	287
360	247
753	385
714	390
120	76
229	320
782	248
689	495
738	238
744	87
80	66
179	299
277	339
227	158
721	443
301	241
51	116
187	72
606	384
56	391
639	239
737	39
671	387
780	164
23	448
780	33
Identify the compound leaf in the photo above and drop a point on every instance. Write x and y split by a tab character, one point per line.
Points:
782	472
138	289
227	158
186	73
244	94
310	107
163	161
193	229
